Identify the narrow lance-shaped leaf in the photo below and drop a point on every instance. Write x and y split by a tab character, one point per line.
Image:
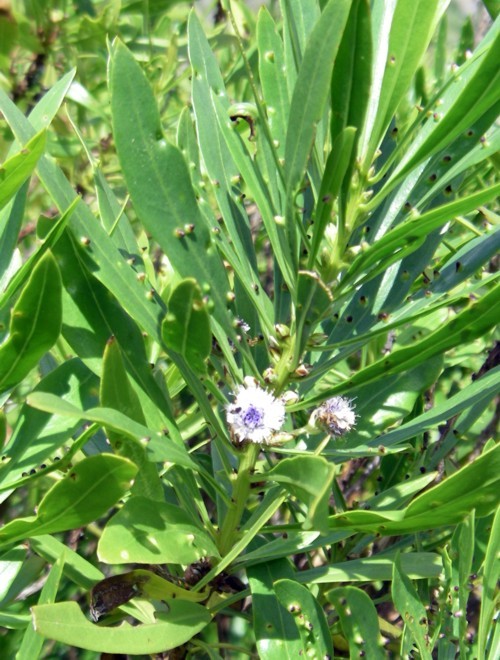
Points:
351	78
409	236
474	486
271	69
159	184
491	571
464	107
53	228
157	447
15	170
472	322
35	323
410	607
32	643
412	26
311	89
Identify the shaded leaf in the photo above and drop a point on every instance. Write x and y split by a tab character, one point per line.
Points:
35	323
186	327
86	493
146	531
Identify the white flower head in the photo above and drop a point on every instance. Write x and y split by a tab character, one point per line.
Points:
335	416
255	415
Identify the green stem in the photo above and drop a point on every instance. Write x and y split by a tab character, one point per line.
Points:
241	489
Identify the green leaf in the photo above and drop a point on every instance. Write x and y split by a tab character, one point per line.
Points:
117	393
64	622
11	220
160	449
409	236
310	479
461	552
186	327
271	68
146	532
408	604
76	568
482	389
274	627
85	494
254	179
227	159
490	596
314	301
477	92
103	258
472	322
416	565
412	26
47	107
32	643
17	169
350	87
337	165
299	19
474	486
75	384
311	89
309	618
92	315
359	621
159	183
55	229
35	323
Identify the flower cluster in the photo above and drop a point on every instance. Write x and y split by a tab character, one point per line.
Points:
257	416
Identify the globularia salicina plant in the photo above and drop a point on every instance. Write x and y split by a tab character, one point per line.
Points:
247	304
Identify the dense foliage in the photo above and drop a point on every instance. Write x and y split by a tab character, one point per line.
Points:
248	297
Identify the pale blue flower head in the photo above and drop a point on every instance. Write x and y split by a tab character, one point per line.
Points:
255	414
